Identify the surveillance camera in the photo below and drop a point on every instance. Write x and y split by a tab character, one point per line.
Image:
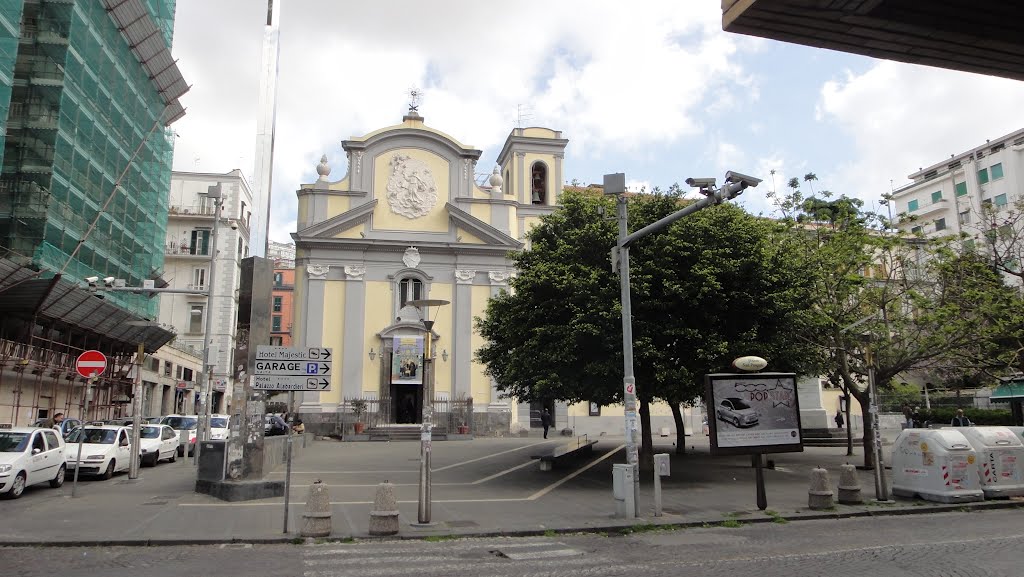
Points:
92	279
701	182
234	225
108	280
741	178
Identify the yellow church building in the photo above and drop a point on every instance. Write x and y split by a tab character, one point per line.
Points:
409	222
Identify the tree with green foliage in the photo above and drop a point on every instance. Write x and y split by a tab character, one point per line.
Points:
715	285
904	303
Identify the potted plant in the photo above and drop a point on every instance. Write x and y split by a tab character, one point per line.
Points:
358	408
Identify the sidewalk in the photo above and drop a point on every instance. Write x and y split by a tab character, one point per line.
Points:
480	487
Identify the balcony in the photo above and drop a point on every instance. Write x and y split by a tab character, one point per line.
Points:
938	206
191	211
179	249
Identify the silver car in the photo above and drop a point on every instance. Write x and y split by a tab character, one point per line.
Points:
734	410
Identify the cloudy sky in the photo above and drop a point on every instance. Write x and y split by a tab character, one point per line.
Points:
654	89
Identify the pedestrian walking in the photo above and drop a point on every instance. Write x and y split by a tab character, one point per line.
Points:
545	421
908	416
915	418
840	421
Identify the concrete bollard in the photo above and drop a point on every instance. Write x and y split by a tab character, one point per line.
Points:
384	516
316	519
820	494
849	486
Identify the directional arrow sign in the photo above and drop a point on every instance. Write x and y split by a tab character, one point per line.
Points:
269	353
287	368
290	383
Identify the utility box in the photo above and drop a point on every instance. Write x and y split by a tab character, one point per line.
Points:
622	490
213	460
1000	455
662	465
936	465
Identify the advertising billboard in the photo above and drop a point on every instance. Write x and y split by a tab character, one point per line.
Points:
407	361
753	413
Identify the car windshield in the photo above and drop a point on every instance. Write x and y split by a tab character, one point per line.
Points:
11	442
150	432
739	404
94	436
218	423
181	423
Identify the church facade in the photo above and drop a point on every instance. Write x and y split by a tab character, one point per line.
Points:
409	222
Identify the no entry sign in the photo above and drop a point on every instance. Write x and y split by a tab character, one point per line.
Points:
91	363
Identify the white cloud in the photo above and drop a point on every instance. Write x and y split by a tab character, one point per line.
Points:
609	75
903	117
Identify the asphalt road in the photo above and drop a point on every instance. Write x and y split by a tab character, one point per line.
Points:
964	544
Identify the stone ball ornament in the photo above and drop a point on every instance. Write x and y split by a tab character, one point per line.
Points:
749	364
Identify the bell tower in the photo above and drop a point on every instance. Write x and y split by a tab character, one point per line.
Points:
531	166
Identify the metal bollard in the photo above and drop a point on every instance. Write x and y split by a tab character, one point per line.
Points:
316	519
384	516
849	486
820	494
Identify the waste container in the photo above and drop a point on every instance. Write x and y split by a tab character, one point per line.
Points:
936	465
213	459
1019	431
1000	456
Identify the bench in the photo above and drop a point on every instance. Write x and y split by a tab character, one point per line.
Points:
577	446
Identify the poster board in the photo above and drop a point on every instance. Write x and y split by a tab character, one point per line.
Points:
407	361
753	413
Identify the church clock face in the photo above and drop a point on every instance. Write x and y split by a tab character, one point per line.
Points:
411	190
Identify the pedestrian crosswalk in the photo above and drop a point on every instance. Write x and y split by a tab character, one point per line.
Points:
519	557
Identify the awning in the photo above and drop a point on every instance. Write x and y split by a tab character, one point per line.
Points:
1007	392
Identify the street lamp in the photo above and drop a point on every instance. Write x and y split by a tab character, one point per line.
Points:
615	185
423	511
214	193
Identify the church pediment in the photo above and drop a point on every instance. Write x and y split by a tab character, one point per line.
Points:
340	223
464	228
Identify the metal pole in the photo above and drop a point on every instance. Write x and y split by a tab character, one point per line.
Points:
423	511
628	380
133	468
288	465
657	492
204	395
881	493
81	430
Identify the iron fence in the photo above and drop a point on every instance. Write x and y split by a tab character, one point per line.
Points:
449	415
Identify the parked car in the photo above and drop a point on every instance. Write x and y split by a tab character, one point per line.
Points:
220	427
157	442
65	427
274	425
30	455
186	426
734	410
106	449
152	420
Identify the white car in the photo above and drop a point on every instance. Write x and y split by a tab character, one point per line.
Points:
186	426
157	442
106	449
219	427
29	456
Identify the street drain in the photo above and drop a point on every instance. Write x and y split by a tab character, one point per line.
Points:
526	555
155	503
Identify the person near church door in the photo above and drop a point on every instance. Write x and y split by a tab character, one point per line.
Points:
545	421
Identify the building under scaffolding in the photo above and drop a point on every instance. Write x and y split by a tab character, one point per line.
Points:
87	90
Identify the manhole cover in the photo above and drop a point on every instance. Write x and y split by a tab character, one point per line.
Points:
461	523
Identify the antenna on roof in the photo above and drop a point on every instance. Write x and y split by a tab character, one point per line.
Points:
523	114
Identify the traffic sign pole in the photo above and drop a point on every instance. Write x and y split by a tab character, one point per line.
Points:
81	430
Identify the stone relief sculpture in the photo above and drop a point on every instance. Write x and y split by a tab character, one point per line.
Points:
355	272
411	258
411	190
464	276
498	277
318	271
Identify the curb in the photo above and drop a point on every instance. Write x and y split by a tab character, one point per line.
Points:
642	524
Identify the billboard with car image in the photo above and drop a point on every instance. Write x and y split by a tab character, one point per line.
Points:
753	413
